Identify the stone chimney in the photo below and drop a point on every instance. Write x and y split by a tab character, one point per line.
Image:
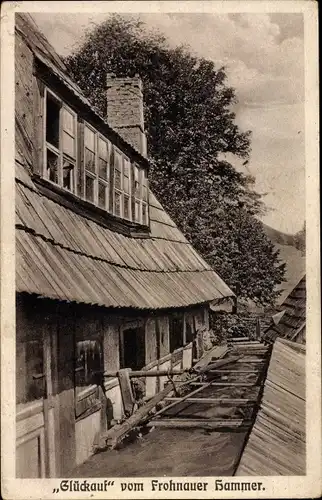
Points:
125	109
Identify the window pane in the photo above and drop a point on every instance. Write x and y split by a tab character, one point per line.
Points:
126	167
117	161
89	188
126	185
145	193
127	213
89	139
137	189
137	211
68	144
68	175
101	195
144	214
89	160
117	179
117	204
52	166
136	173
52	121
68	122
103	149
29	364
103	170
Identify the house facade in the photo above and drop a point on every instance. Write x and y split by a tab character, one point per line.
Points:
104	278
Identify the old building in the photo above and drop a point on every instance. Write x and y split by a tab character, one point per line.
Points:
104	278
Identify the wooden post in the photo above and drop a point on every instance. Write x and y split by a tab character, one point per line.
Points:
49	410
126	390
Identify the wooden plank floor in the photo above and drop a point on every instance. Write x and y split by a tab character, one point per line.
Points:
223	396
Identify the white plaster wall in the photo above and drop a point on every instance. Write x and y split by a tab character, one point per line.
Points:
30	441
85	432
150	386
115	396
187	358
164	380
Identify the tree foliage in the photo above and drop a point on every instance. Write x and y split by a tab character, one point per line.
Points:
190	129
300	239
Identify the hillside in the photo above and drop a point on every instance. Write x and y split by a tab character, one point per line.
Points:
294	258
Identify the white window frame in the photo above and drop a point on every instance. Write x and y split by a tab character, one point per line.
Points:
139	198
59	151
123	194
95	175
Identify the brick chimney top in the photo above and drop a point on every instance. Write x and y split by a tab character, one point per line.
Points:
125	109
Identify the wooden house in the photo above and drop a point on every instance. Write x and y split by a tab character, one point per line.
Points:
104	278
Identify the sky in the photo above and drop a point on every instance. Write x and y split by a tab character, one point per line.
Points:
264	59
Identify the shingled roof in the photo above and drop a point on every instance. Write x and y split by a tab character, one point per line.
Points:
291	324
276	445
63	254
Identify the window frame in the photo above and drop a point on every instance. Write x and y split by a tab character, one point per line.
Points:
95	175
75	182
120	190
139	199
59	152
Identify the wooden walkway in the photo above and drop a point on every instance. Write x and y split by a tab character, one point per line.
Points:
226	399
200	433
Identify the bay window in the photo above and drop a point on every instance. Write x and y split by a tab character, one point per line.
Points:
78	158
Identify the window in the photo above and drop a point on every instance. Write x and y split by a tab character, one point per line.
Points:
60	142
140	196
190	328
122	186
176	331
97	168
89	165
88	368
133	351
30	381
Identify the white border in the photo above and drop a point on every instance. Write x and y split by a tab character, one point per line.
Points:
281	487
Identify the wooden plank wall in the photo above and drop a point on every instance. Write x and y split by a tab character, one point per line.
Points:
24	98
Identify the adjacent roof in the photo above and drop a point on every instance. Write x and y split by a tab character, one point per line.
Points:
276	445
290	322
62	254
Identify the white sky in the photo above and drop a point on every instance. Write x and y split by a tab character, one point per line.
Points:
264	59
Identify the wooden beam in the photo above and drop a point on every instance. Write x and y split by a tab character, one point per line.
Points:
185	423
235	372
147	373
247	348
218	364
216	352
221	401
239	339
250	360
226	384
126	390
180	400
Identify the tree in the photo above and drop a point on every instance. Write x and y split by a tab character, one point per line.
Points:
300	239
190	127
